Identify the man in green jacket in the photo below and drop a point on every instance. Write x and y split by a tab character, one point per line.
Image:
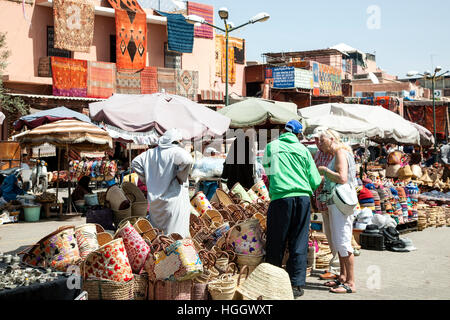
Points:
293	178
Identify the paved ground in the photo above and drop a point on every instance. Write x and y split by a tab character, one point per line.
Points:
418	275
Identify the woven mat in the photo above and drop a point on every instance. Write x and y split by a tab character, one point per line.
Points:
205	11
69	77
131	40
167	80
101	79
187	84
74	24
128	83
149	80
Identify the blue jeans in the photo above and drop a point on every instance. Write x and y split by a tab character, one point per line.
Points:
288	223
209	188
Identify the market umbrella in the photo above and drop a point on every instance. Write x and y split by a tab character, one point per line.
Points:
426	137
2	117
78	135
158	112
37	119
81	136
255	111
375	123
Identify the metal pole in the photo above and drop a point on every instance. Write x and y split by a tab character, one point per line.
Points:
434	118
226	63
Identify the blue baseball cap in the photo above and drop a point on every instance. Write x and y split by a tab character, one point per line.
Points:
294	126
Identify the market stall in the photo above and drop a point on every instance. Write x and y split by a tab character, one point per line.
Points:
75	134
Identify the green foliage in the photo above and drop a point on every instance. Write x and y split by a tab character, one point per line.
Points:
7	102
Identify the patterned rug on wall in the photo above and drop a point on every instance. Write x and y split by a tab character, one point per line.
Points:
131	40
101	82
128	83
74	24
149	80
187	84
69	77
167	80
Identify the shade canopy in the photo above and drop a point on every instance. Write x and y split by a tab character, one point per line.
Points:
79	135
375	123
254	112
37	119
159	112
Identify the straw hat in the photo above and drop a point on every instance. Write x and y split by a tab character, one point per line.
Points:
405	174
417	171
392	171
133	193
426	178
267	282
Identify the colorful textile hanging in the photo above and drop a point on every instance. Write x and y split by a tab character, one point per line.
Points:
101	81
218	54
167	80
187	84
180	34
132	5
205	11
74	24
128	83
149	80
231	64
69	77
131	40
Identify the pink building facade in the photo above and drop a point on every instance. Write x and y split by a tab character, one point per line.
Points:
27	41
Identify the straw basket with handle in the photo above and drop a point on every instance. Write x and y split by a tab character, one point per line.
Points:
261	190
246	238
104	238
222	288
170	290
131	220
239	191
145	229
60	248
102	289
201	203
224	198
86	236
137	249
109	262
140	288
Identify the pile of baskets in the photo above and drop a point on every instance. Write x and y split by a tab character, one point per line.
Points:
436	216
324	255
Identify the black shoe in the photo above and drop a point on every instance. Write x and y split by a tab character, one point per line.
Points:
298	292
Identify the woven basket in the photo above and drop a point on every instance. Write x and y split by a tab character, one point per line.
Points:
103	238
248	260
224	198
132	220
199	291
140	288
170	290
100	289
132	192
86	236
222	288
119	215
117	199
139	208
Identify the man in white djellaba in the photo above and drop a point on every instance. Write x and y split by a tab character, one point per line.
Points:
165	170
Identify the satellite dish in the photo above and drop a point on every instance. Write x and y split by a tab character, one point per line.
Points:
373	78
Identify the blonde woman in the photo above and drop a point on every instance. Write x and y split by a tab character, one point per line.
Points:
341	170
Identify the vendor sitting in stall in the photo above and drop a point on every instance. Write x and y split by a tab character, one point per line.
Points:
82	189
9	190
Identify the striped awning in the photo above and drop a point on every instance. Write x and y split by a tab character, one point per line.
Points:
212	95
79	135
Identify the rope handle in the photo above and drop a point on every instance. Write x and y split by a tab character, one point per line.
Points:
246	268
234	268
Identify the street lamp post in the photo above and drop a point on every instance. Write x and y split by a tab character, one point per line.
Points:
428	75
223	13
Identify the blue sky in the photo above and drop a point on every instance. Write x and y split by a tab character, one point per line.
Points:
410	31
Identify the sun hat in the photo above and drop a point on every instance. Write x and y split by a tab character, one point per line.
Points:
267	282
294	126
